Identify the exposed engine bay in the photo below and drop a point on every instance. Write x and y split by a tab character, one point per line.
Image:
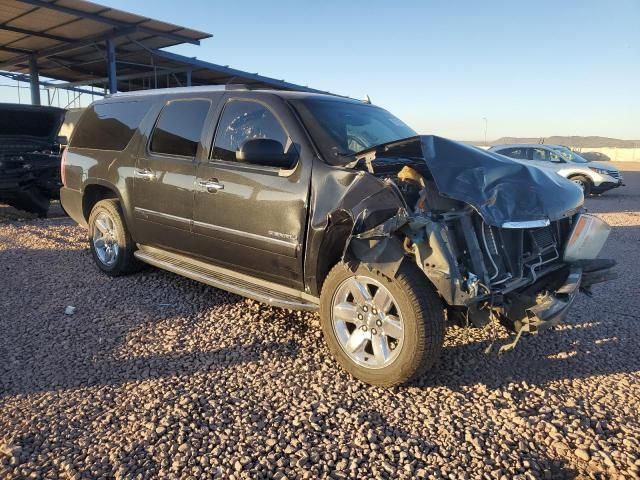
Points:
29	156
525	272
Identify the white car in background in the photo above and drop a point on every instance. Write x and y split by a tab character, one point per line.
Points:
592	177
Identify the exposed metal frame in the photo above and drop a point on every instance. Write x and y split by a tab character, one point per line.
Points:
232	72
110	21
21	77
67	47
164	69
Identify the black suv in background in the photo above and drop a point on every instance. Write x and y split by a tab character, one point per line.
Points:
318	202
30	156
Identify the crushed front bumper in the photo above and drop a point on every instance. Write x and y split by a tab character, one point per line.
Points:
553	308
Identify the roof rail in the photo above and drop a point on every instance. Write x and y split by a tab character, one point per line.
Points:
201	88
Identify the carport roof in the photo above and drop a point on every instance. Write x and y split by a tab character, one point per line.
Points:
67	31
67	41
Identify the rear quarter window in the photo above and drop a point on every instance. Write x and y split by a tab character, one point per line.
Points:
110	125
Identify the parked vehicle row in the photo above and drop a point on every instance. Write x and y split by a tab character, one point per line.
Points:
316	202
591	177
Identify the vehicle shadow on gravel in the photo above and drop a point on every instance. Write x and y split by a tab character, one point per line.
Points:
42	349
536	360
597	338
610	202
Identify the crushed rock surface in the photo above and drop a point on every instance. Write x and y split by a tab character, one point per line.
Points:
156	376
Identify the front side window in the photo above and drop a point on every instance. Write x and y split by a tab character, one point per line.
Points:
242	121
539	154
179	128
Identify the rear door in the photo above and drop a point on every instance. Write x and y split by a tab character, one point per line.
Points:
254	220
165	173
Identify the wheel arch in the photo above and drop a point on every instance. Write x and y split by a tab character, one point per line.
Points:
334	241
94	192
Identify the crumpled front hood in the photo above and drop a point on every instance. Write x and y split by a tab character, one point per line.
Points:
500	189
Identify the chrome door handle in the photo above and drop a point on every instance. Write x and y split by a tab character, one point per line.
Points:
210	186
144	173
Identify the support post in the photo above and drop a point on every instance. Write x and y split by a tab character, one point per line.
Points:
34	81
112	78
188	78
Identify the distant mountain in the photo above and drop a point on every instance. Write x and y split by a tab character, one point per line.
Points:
575	142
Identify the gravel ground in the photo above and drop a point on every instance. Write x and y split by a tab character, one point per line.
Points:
156	376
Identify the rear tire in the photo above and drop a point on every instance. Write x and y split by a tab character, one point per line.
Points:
109	240
401	332
584	183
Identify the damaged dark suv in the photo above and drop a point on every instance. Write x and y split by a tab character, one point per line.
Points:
317	202
30	156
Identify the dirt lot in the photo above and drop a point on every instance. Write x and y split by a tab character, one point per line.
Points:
156	376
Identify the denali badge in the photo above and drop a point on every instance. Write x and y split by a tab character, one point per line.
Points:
286	236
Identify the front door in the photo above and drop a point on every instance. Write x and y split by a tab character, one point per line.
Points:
165	174
248	217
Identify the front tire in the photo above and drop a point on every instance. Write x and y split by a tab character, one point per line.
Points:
109	240
382	331
584	183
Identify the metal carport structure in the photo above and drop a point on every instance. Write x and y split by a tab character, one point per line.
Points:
82	43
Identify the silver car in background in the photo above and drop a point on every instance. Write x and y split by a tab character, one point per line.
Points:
592	177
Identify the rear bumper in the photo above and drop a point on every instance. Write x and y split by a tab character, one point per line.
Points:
71	201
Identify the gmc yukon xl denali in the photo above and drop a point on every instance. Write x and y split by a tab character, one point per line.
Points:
317	202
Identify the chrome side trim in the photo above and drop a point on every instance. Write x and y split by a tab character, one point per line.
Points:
527	224
255	236
166	216
218	228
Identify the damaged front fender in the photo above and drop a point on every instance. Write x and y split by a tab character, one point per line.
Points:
355	217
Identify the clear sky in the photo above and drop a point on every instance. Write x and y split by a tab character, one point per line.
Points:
536	68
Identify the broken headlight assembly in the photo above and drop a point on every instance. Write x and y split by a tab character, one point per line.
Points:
586	239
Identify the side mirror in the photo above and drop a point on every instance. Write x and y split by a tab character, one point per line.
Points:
265	152
62	140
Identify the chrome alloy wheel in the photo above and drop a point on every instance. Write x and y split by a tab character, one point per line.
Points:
367	322
104	239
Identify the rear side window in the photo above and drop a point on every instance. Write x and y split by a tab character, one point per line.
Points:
109	126
179	128
242	121
519	153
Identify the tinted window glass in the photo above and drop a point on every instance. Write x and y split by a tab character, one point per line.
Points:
342	128
519	153
179	128
540	154
242	121
109	126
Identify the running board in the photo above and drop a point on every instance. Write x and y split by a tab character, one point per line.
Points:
234	282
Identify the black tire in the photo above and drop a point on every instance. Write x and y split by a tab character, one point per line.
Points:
125	262
584	183
423	319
